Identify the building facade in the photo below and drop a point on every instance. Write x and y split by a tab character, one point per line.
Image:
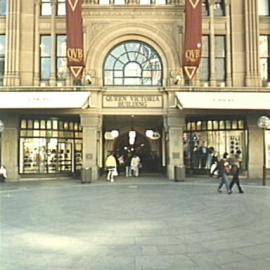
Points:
133	86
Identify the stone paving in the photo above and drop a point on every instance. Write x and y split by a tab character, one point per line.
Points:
133	224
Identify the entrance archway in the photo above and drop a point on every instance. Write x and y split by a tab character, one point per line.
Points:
142	147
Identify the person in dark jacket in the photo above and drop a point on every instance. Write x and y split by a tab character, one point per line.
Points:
236	167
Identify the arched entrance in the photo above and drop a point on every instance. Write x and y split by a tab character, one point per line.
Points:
143	147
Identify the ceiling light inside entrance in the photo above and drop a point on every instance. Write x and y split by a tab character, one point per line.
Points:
132	137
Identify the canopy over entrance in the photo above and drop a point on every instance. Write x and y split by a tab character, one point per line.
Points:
44	100
224	100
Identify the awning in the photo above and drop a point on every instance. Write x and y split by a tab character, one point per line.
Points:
224	100
44	100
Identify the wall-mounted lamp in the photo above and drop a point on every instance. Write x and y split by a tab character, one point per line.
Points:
88	79
177	79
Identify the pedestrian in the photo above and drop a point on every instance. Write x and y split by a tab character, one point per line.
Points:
127	159
3	173
236	167
214	164
224	170
111	166
135	164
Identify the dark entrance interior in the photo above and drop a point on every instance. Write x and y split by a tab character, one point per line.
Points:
149	150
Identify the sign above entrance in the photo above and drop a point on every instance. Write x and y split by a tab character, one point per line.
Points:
132	101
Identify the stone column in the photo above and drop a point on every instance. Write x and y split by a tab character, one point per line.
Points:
252	43
174	137
12	61
91	131
255	150
37	41
228	45
10	146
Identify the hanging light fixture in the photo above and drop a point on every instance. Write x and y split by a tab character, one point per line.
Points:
132	133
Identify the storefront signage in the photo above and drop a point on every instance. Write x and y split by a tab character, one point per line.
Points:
132	101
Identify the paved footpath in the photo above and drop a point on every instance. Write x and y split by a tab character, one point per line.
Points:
133	224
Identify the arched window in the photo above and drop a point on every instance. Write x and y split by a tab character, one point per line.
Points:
133	63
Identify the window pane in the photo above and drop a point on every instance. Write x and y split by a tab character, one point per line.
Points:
61	45
45	46
263	7
3	7
131	61
145	2
204	69
220	46
45	68
61	8
220	69
104	2
46	8
219	8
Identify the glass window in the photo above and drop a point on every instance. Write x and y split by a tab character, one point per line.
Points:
43	151
200	146
263	7
104	2
119	2
220	58
3	7
61	8
127	65
61	61
45	57
2	57
46	8
205	60
219	8
205	8
264	57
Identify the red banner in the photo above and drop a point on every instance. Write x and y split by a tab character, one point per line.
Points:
75	55
193	37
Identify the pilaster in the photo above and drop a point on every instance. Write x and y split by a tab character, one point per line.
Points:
91	137
13	26
10	146
252	45
175	126
255	165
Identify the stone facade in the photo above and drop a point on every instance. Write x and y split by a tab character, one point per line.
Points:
160	26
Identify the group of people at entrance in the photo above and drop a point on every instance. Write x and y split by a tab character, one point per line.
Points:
226	167
132	165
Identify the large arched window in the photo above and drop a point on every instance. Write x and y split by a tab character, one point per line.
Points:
133	63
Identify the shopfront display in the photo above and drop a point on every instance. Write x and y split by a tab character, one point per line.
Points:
49	146
204	139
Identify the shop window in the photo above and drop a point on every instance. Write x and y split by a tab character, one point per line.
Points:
43	151
133	63
263	7
220	136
